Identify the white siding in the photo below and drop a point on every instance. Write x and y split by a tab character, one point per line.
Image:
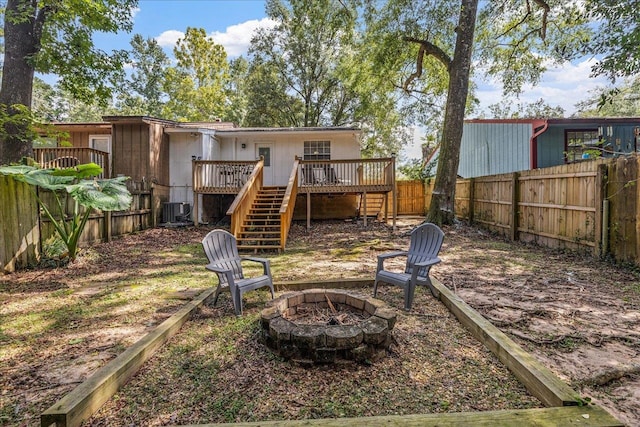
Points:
285	147
494	148
181	147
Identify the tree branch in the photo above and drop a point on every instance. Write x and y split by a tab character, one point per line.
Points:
429	49
543	4
38	24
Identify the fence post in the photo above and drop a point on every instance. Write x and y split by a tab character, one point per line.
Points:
107	226
515	194
601	226
472	187
395	192
153	206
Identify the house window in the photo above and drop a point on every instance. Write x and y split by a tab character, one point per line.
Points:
582	144
265	153
317	150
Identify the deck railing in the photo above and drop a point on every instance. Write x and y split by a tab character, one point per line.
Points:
68	157
346	175
288	204
221	177
241	205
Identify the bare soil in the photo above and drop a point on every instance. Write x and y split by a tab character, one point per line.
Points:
579	316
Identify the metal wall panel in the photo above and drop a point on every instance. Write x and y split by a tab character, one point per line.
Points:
494	148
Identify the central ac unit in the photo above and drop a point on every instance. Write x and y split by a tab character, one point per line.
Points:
176	212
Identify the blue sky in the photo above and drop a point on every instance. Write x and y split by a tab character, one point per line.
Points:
231	23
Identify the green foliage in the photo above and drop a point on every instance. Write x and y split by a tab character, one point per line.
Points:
536	110
142	93
328	79
617	36
55	37
305	68
614	101
17	117
414	169
67	49
53	103
102	194
516	41
196	86
237	89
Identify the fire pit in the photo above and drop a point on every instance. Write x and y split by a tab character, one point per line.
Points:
324	326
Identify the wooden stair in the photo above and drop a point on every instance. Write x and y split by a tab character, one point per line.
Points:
261	227
375	203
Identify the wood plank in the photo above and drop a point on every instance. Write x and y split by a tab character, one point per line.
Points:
515	197
538	379
85	399
563	416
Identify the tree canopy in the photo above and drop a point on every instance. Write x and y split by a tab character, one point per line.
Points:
616	40
509	40
142	92
55	37
196	86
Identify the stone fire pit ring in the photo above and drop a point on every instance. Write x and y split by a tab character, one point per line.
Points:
364	341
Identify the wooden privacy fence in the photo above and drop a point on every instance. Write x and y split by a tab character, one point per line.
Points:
410	197
24	229
19	225
102	226
590	205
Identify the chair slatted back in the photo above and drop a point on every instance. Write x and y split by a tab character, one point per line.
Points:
222	250
426	241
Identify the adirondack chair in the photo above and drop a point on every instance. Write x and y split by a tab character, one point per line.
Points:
221	249
426	241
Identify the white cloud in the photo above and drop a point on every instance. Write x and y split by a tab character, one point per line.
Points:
236	38
134	12
563	85
169	38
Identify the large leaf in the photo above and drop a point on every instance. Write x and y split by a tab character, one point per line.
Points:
16	171
103	194
43	178
85	170
38	177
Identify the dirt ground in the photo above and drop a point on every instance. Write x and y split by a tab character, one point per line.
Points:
579	316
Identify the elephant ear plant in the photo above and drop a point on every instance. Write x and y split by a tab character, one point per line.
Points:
101	194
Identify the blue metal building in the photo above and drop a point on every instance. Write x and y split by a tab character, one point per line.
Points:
492	147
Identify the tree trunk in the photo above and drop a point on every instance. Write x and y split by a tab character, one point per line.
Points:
442	207
21	45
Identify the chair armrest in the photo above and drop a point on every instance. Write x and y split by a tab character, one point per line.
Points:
392	254
387	255
418	265
255	259
266	264
432	261
217	269
228	274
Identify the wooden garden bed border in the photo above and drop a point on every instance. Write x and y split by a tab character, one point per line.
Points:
88	397
563	402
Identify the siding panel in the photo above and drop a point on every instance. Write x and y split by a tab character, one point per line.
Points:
494	148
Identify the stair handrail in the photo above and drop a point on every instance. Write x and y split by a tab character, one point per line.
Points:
288	204
241	205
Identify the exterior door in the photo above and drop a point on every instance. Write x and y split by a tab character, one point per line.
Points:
266	150
102	143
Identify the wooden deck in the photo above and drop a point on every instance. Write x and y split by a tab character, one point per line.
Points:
308	177
220	176
67	157
347	176
355	176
